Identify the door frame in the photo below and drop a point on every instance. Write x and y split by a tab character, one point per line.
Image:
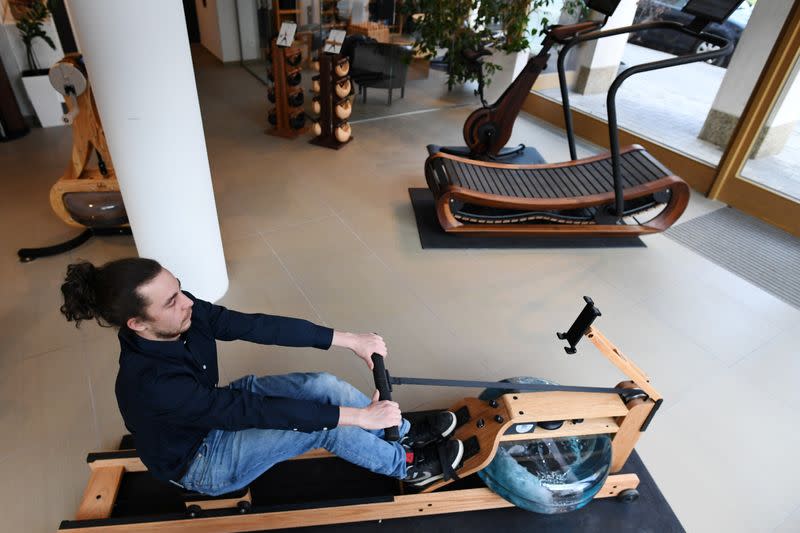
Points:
730	186
724	181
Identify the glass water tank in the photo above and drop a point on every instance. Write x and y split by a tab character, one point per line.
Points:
547	475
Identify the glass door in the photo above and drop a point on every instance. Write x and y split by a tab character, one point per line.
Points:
758	171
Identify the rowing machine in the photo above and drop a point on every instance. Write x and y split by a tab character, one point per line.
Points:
526	413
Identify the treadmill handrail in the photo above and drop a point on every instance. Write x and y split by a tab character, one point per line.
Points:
724	47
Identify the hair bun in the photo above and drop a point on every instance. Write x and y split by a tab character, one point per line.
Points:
79	292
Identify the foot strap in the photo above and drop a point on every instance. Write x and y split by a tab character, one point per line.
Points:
448	473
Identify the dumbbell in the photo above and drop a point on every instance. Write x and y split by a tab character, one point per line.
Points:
316	128
342	132
342	68
272	117
343	88
296	99
344	109
294	60
271	94
315	105
315	84
293	78
297	120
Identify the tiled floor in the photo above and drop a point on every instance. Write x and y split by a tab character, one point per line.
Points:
330	236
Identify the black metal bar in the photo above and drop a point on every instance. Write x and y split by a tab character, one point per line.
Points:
27	255
523	387
562	82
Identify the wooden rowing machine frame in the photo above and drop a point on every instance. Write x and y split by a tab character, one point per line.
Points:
88	138
583	414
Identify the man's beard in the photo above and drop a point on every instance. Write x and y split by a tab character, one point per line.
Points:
163	334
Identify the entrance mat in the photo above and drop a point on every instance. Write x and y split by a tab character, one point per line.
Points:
750	248
432	236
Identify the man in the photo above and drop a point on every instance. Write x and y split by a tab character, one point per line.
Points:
192	432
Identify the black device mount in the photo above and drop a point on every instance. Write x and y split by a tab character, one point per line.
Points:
580	326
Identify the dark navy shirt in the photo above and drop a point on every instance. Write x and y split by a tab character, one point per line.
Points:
168	391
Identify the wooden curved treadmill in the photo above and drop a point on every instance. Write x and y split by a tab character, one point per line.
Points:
569	199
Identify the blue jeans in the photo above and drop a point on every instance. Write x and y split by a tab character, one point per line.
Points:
230	460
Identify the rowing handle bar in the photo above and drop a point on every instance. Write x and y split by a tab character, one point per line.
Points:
385	390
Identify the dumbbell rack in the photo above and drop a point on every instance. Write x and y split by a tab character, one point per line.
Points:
281	70
328	100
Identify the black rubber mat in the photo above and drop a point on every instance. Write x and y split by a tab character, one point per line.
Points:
325	483
650	513
432	236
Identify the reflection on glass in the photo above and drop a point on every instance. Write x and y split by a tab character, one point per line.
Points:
691	108
775	157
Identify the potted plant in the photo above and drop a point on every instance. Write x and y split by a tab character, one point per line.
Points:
46	101
501	26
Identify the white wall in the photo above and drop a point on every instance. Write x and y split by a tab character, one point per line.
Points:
14	58
357	10
248	26
219	30
228	30
209	27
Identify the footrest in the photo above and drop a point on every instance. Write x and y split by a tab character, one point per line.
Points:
195	502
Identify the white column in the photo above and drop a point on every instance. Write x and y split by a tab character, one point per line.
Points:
228	31
752	51
208	20
139	65
248	29
598	62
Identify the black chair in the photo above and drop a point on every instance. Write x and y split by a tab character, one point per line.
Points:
380	66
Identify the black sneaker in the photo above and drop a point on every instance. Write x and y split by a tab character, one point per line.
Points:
424	466
431	428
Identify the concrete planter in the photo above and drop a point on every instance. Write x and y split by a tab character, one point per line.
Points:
512	65
46	101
